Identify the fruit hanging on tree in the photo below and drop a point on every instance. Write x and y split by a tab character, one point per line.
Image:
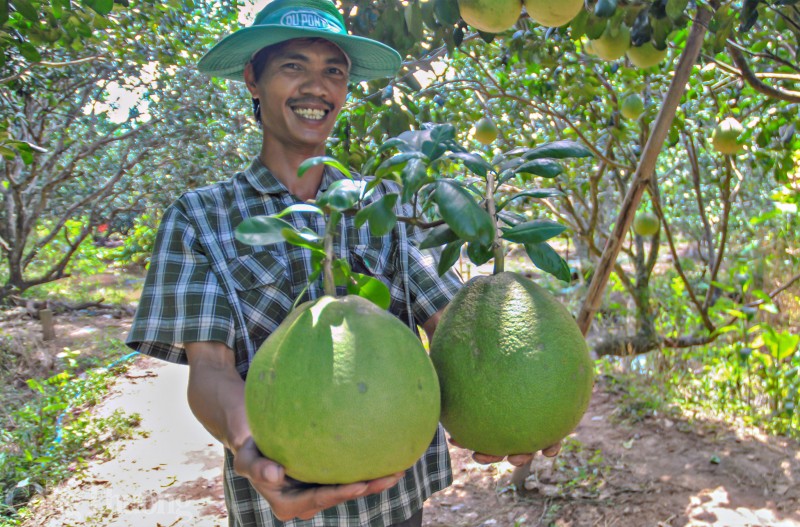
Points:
632	106
646	224
485	131
612	44
551	13
646	55
726	137
490	16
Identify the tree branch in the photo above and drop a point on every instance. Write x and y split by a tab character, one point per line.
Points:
751	79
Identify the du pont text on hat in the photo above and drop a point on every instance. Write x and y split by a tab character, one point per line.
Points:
306	19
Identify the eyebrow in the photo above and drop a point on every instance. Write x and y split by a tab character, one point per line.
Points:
304	58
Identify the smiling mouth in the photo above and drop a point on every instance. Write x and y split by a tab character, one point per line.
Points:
313	114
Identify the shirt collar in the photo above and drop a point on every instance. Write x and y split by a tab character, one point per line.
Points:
262	179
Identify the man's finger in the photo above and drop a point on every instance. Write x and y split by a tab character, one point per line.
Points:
486	458
519	460
552	450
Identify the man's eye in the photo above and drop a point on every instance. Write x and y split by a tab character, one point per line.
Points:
291	66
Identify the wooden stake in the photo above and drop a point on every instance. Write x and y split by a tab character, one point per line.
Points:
48	327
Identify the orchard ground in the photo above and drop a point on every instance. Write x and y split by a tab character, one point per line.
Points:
625	465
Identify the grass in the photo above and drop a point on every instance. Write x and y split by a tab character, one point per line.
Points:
49	430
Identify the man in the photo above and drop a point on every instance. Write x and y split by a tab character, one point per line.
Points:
210	301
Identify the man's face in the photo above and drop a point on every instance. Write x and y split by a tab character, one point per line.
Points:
301	91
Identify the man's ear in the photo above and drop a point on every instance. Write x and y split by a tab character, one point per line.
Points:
250	80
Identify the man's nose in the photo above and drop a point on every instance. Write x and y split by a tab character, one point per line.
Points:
314	83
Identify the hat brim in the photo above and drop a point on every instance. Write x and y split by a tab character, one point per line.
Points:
369	58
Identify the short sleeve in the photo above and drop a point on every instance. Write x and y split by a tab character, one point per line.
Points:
181	300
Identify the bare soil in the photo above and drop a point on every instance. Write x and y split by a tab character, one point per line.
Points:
656	472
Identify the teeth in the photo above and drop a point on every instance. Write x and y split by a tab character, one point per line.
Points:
310	113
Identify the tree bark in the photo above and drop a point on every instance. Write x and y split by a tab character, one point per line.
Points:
645	169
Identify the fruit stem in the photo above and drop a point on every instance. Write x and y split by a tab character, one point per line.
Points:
497	246
328	282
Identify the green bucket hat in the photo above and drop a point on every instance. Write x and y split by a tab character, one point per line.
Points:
283	20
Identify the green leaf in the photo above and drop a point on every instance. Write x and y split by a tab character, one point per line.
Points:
447	11
541	167
322	160
535	231
26	9
370	288
414	176
439	235
261	230
102	7
3	11
558	150
394	142
548	260
299	207
675	8
305	238
538	193
7	153
397	160
28	51
449	256
479	254
459	209
380	214
342	194
475	162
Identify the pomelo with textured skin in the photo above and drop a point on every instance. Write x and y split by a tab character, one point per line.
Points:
342	391
514	368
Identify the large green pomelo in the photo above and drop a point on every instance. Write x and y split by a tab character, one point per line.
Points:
514	368
342	391
491	16
553	13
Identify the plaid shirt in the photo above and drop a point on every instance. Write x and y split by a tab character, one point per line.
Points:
203	285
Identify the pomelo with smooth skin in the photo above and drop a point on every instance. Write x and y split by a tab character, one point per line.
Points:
632	106
646	224
726	137
646	55
513	366
342	391
491	16
553	13
612	44
485	131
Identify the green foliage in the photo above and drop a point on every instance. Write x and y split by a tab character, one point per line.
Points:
55	432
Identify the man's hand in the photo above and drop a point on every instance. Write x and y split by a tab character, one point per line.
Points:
518	460
290	500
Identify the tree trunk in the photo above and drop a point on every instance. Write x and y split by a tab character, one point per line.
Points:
642	177
645	169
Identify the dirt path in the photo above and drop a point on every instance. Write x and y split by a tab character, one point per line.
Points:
660	473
